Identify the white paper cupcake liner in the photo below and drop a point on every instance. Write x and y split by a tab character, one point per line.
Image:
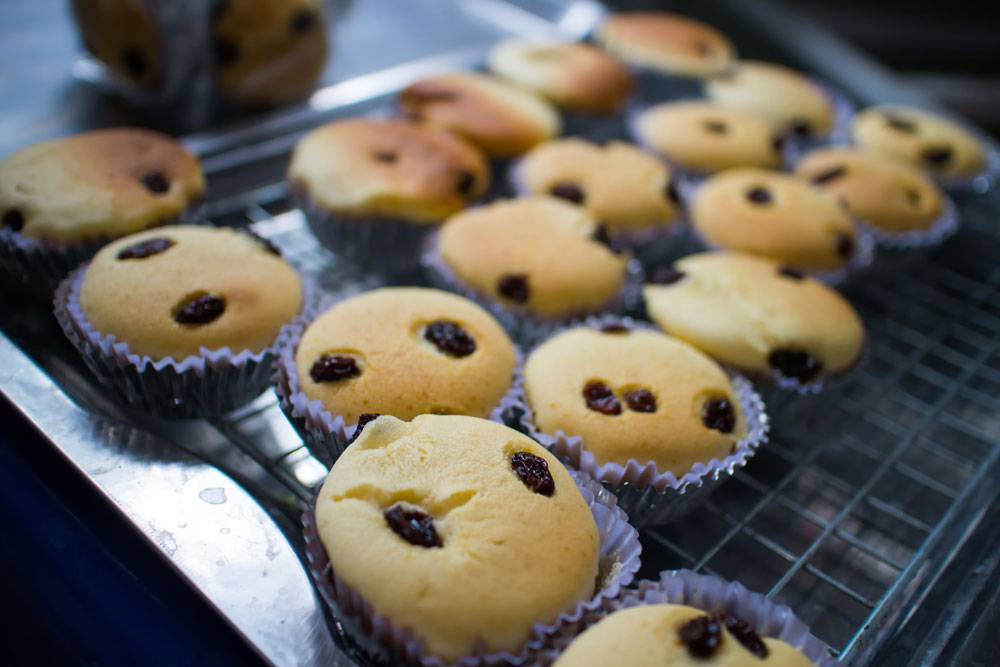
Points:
209	384
714	596
41	264
326	435
524	326
357	621
650	497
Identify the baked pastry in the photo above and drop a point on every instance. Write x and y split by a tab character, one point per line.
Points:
757	315
267	52
625	188
97	185
573	75
501	118
887	193
775	215
705	137
171	292
668	42
425	520
634	395
122	35
670	634
920	137
372	188
527	254
403	352
787	99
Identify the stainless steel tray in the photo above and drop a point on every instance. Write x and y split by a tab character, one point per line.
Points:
849	515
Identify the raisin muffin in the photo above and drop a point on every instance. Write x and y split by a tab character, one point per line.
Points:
787	99
757	315
625	188
124	36
60	200
890	195
775	215
501	118
573	75
922	138
372	188
634	395
704	137
667	42
182	320
267	52
523	257
448	506
673	634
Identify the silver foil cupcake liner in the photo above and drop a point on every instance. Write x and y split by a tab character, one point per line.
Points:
209	384
714	596
524	326
650	497
388	246
326	435
41	264
358	623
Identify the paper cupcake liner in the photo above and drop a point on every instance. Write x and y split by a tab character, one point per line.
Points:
715	596
326	435
357	622
41	264
388	246
650	497
524	326
209	384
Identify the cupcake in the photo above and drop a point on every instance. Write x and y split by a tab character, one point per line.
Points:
666	42
522	259
758	316
396	351
501	118
371	188
61	200
572	75
788	100
778	216
646	414
182	321
124	36
631	192
926	140
703	138
422	522
898	202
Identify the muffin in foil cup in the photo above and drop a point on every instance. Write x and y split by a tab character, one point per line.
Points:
714	596
206	385
649	496
359	624
524	326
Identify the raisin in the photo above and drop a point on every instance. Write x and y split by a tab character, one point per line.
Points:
828	175
14	219
789	272
716	127
641	400
912	196
615	329
759	195
302	21
225	51
514	286
534	472
156	182
363	421
795	364
900	123
800	127
602	236
718	414
665	275
936	156
450	338
412	525
270	247
200	309
145	249
334	368
701	636
778	144
601	399
845	245
671	192
385	157
745	634
134	61
704	49
466	182
568	191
